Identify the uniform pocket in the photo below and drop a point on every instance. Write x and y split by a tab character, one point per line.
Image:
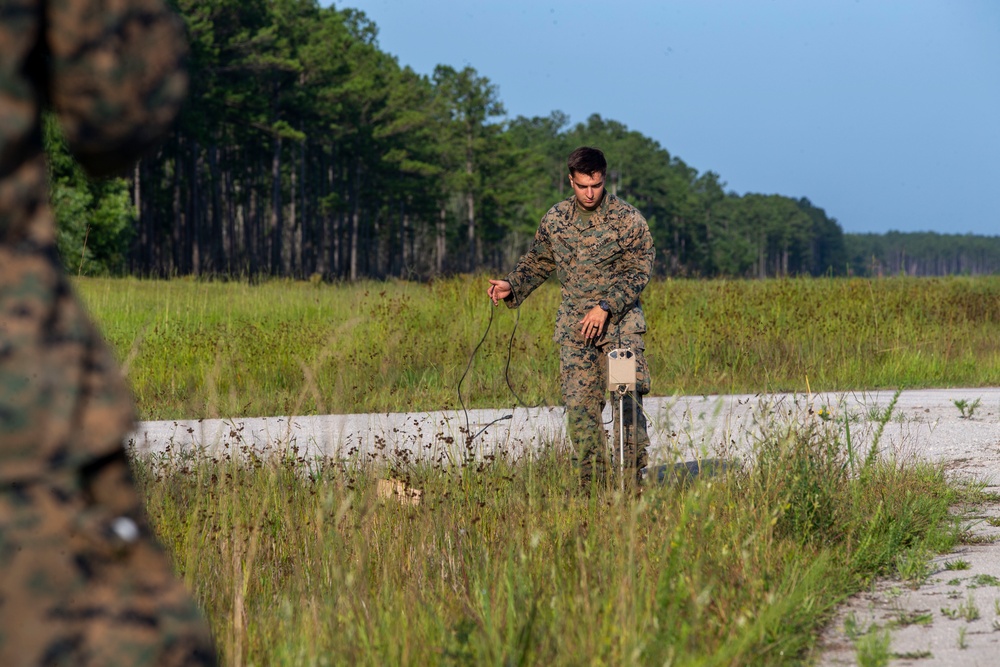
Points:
607	253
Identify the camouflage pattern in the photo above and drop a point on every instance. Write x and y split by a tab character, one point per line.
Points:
608	257
82	581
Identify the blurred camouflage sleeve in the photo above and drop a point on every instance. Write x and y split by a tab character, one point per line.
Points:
117	77
533	268
62	402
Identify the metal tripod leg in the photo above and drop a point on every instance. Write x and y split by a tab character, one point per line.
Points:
621	439
634	454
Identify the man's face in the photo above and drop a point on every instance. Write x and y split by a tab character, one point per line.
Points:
588	188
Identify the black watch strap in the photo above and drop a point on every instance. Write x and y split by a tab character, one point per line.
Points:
605	306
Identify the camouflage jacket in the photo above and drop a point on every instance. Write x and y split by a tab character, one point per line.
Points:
112	74
608	258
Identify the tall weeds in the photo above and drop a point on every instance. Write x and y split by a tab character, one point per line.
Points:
301	563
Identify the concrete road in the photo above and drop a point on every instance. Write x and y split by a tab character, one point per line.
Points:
686	426
952	619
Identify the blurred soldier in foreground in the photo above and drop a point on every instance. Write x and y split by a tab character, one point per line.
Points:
602	252
82	581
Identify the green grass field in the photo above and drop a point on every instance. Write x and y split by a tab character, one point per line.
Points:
301	563
202	349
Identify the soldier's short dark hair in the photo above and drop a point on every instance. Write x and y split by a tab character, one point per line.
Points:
587	160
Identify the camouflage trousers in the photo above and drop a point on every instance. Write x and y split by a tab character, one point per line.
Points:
584	379
83	584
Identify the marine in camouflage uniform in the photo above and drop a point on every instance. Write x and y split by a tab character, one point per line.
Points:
602	253
82	581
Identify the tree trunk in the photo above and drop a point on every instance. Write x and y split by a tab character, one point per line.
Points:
291	256
177	227
195	226
470	205
235	216
216	250
276	225
250	226
442	241
137	261
404	235
355	220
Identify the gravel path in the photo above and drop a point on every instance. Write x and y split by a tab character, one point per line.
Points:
953	618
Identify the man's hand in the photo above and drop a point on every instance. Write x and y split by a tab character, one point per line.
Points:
593	323
499	289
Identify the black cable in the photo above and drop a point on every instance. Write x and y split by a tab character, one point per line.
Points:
506	368
468	367
510	386
506	374
480	432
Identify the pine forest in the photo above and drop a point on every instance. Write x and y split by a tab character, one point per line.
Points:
306	151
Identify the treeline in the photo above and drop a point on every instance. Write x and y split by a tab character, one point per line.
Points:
922	254
306	150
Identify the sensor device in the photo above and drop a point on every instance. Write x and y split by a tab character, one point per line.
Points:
621	370
621	380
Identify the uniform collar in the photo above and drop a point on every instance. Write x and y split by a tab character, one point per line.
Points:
599	213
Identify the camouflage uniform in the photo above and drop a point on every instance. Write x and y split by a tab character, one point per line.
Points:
82	582
608	257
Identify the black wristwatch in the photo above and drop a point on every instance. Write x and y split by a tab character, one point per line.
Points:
605	306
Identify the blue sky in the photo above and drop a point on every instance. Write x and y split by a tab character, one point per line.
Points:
885	113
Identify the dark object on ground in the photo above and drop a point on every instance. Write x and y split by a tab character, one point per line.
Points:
686	471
